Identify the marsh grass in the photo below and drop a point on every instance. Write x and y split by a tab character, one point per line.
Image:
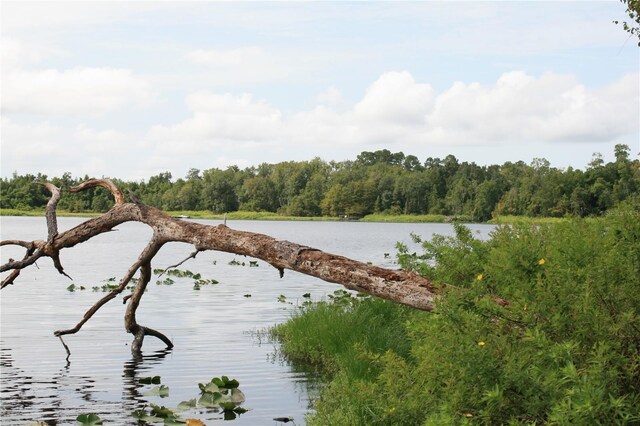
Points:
343	334
410	218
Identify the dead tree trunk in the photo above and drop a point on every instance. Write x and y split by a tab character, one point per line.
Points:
399	286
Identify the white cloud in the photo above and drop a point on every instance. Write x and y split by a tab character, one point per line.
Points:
29	17
228	57
399	112
74	91
55	149
252	64
395	112
18	53
395	98
332	96
522	108
220	119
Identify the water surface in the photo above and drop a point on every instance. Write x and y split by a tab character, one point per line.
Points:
214	329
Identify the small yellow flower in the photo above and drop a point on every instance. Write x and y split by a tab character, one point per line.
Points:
468	415
541	262
479	277
481	343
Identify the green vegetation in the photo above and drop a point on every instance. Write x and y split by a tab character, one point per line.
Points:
633	11
379	185
564	350
89	419
220	395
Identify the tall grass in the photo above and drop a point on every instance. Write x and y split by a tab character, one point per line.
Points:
345	333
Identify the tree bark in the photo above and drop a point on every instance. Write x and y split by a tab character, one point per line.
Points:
399	286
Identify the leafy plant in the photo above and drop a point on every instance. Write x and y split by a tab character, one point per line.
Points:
162	391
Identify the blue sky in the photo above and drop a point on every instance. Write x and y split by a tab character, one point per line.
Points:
131	89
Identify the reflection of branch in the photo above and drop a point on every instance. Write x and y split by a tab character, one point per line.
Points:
131	377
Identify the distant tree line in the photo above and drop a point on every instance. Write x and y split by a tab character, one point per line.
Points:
375	182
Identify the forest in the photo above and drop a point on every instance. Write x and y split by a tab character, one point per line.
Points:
375	182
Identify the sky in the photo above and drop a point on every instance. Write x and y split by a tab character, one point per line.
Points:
132	89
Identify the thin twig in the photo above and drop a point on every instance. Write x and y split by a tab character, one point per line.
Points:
66	348
191	256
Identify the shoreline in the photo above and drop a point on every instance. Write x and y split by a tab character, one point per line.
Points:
244	215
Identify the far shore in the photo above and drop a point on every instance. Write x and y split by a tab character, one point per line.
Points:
244	215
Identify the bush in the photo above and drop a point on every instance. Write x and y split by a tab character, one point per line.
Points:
565	350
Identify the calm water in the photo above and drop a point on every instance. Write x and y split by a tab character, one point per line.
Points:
213	329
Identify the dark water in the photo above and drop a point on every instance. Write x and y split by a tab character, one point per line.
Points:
216	330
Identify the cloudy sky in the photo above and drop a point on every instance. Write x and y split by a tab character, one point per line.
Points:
131	89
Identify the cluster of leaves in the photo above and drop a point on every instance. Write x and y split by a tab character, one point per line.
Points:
178	273
376	182
252	263
220	395
109	284
633	10
564	350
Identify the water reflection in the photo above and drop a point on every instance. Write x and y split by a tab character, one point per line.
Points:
27	398
131	395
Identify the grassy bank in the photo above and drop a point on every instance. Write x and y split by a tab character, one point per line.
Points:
245	215
563	351
40	212
409	218
502	220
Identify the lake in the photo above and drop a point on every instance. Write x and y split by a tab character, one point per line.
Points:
216	330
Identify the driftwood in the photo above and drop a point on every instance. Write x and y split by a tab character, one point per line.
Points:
399	286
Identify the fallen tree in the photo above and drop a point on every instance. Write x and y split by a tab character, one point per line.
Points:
404	287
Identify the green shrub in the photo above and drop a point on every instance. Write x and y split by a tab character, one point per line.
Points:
564	350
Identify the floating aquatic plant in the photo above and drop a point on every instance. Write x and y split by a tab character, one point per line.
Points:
89	419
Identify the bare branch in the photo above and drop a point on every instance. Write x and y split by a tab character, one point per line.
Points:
26	261
105	183
130	316
25	244
146	255
50	212
191	256
9	279
66	348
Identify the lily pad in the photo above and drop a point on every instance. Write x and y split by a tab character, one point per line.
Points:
143	416
186	405
155	380
89	419
237	396
209	387
210	399
161	391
